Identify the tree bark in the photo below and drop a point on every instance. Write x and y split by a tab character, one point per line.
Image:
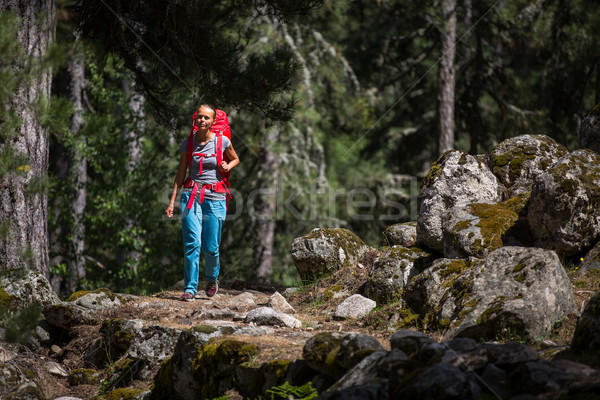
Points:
447	76
23	195
76	262
265	224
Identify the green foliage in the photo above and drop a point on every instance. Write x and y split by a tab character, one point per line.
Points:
287	391
20	325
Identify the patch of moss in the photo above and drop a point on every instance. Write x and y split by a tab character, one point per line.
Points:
121	394
280	367
5	298
331	291
495	307
494	221
162	386
117	339
82	293
462	225
434	172
454	267
207	329
518	267
518	203
232	352
83	376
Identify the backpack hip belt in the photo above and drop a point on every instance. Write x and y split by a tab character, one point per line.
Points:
217	187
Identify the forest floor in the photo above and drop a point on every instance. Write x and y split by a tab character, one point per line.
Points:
314	305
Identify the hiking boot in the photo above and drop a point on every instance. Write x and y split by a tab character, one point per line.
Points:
187	296
212	288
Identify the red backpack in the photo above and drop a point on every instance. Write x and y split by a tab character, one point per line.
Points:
219	128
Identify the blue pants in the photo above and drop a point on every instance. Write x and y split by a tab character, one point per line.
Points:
201	226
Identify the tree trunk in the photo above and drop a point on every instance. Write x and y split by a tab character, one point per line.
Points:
446	76
132	137
265	210
23	196
76	262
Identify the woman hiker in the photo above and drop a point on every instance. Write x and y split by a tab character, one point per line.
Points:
203	200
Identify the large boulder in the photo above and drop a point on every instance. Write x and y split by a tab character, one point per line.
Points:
392	270
457	178
324	251
333	353
515	291
589	134
477	229
203	369
19	288
518	161
564	209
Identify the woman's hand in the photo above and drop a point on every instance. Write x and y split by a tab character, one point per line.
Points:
169	210
224	166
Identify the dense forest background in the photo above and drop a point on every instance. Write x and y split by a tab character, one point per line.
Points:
337	108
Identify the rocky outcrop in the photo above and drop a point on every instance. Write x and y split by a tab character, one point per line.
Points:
564	209
518	290
419	368
392	270
517	162
324	251
455	179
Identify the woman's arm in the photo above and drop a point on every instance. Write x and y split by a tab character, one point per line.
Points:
179	178
233	159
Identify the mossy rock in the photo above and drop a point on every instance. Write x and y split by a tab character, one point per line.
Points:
84	376
217	364
404	234
324	251
518	161
564	209
117	336
392	271
81	293
321	351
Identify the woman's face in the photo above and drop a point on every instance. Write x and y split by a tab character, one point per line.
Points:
205	118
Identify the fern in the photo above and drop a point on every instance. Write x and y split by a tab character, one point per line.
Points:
287	391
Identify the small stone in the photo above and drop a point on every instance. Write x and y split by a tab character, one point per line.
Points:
279	303
56	369
55	350
355	306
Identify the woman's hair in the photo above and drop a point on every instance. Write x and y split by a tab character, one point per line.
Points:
214	110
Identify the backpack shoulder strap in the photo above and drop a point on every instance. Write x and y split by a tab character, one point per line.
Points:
190	147
219	148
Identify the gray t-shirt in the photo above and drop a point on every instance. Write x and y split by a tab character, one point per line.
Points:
210	172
